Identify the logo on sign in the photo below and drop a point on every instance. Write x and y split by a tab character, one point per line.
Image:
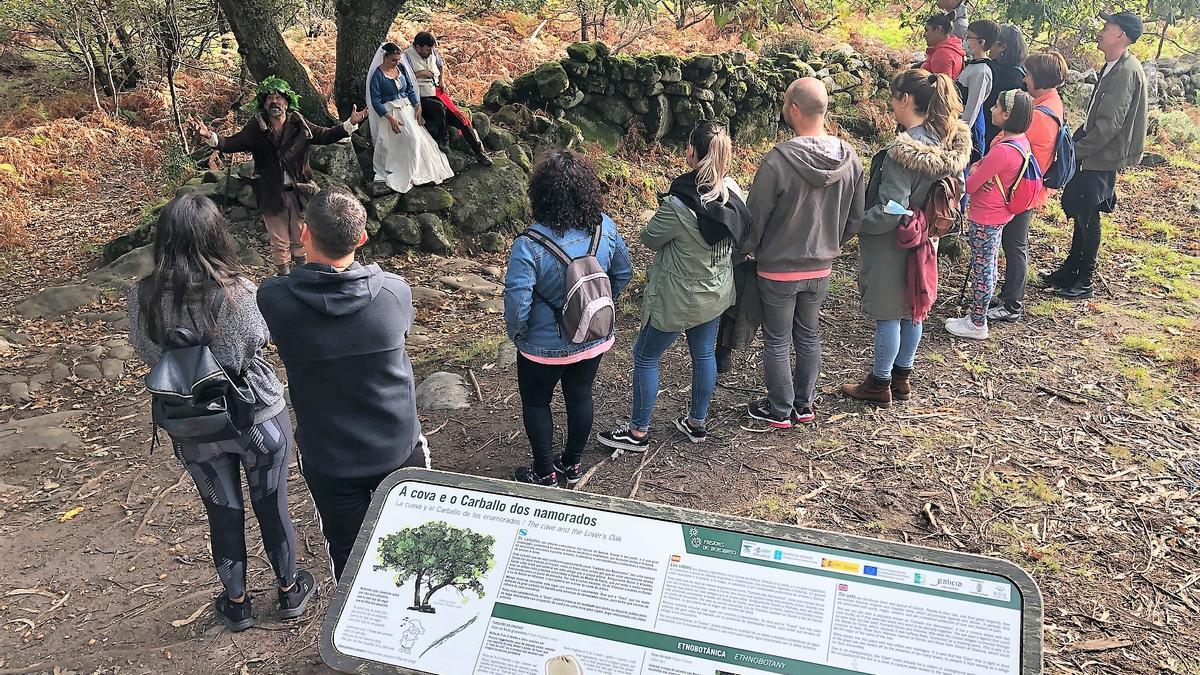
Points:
522	532
843	587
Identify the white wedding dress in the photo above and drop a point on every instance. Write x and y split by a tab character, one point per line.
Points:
409	158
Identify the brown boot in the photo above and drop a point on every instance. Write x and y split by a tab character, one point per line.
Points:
901	389
872	390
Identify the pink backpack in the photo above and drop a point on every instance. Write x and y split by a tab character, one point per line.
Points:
1022	194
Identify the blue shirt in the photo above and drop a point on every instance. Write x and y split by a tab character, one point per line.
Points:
384	90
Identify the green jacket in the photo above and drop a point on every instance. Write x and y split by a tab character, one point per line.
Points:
689	283
1116	127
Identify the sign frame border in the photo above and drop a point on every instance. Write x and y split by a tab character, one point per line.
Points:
1032	617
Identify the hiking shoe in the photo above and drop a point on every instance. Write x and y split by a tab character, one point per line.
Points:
695	435
872	390
622	438
483	159
236	616
901	383
1080	290
1004	314
964	327
526	474
805	414
570	473
1058	279
763	410
292	602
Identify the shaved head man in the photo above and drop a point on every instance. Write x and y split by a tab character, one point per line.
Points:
808	99
806	201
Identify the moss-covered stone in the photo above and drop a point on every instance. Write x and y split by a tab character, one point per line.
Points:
657	121
595	127
435	236
498	139
576	70
514	116
678	89
427	198
704	95
481	123
613	108
542	83
569	99
382	207
493	242
587	51
402	229
498	95
520	156
490	198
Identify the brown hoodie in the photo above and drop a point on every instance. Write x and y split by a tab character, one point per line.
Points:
807	199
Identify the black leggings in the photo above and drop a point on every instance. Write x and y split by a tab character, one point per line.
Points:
263	453
536	383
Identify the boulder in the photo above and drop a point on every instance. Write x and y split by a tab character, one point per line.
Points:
595	127
471	283
401	229
576	70
44	432
121	273
382	207
112	369
513	116
58	300
678	89
656	122
490	198
427	198
140	235
491	305
498	139
493	242
376	189
498	95
542	83
586	52
339	161
481	123
18	393
428	296
754	126
434	237
443	391
520	156
613	108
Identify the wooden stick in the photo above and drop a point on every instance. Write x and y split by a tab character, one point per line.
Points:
158	500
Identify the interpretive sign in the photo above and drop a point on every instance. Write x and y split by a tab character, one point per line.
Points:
456	574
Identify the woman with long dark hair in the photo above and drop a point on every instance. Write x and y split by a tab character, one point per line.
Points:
564	194
197	285
689	284
1008	72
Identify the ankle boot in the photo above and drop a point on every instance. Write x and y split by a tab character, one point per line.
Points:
872	390
901	389
299	260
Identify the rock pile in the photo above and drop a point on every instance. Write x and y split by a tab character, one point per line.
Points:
663	96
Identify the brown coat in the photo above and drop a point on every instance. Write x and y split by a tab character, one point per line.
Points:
273	156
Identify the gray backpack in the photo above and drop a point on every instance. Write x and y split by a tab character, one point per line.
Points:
587	313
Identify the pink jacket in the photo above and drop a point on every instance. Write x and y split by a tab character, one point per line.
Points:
986	206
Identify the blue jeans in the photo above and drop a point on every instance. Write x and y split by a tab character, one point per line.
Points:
649	348
895	345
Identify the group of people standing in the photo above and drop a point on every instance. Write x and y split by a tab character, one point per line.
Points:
725	260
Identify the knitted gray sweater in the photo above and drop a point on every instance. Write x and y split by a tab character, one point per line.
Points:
237	347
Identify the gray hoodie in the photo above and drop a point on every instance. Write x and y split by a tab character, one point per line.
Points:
341	338
806	201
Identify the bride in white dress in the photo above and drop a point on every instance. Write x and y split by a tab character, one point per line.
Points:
405	154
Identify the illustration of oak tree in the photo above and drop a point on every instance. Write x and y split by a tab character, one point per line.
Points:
436	555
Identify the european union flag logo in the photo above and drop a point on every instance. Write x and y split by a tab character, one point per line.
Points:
870	571
778	554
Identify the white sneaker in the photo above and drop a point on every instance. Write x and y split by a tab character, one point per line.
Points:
963	327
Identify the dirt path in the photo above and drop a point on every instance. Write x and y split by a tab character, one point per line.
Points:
1067	443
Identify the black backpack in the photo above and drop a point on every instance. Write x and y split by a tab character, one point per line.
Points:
193	399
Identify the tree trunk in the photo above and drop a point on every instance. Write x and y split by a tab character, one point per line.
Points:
362	25
434	589
265	53
417	591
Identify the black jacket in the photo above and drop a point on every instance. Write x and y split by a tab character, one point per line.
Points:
1004	78
341	338
272	158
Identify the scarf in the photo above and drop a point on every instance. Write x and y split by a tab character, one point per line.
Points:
716	221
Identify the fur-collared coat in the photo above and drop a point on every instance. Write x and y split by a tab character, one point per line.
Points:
272	158
903	171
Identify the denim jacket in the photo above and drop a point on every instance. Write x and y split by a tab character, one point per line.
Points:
531	323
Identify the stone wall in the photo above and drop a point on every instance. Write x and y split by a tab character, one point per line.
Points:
663	96
1169	81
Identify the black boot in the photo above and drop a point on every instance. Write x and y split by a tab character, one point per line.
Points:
1080	290
724	360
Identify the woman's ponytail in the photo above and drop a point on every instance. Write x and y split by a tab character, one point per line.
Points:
934	96
713	150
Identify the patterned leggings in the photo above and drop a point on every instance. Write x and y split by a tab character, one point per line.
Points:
985	254
262	452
